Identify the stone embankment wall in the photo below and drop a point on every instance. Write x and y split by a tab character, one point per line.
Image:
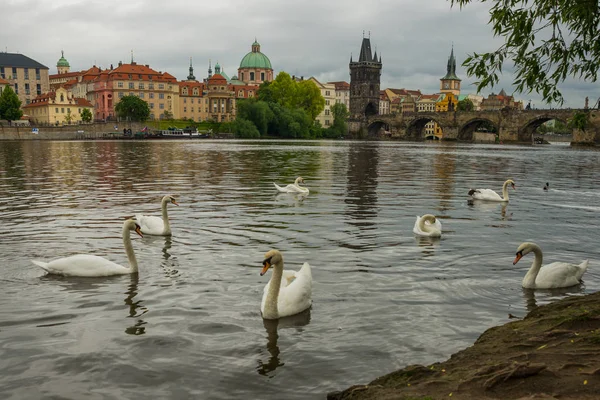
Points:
68	132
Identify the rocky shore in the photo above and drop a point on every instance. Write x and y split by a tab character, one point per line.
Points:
553	353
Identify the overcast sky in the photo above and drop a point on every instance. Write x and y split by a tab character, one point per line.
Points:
304	38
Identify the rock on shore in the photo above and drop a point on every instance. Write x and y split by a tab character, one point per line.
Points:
553	353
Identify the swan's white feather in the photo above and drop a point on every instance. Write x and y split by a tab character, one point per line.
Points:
559	274
486	194
295	293
150	224
291	188
437	225
86	265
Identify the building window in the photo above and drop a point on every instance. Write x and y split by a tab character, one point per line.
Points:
326	112
161	95
68	110
120	84
251	76
151	85
150	95
161	86
79	110
131	94
62	110
2	73
242	78
121	94
16	88
131	85
151	106
161	106
326	102
184	91
192	101
141	86
56	110
184	101
37	74
262	76
14	70
129	76
327	93
195	92
251	94
192	109
141	95
184	109
26	70
326	122
38	89
27	88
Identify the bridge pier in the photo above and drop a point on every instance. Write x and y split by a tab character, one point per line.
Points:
450	133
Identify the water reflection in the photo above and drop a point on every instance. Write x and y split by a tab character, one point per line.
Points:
444	168
272	326
362	183
489	206
136	308
291	199
530	295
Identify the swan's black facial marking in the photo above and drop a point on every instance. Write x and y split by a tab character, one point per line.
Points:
472	192
266	265
267	261
513	185
519	255
173	201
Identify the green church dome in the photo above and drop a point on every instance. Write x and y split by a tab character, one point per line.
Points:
255	59
62	62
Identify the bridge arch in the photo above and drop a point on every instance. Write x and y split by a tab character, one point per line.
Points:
378	128
527	131
416	128
466	131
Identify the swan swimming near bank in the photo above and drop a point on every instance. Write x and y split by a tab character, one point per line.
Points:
293	187
554	275
288	292
428	225
152	225
490	195
89	265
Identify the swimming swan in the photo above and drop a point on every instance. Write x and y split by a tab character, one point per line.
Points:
152	225
293	187
555	275
490	195
93	266
428	225
287	293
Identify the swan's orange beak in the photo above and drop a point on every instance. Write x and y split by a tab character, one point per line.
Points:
174	202
138	230
518	257
266	266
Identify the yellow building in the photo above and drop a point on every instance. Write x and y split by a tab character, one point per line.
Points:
57	108
327	90
27	77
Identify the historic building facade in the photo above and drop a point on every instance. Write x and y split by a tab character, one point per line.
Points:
27	77
450	83
327	90
59	107
255	68
365	78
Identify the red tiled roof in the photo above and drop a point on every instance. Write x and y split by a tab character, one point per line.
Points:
217	79
4	82
80	101
340	85
44	100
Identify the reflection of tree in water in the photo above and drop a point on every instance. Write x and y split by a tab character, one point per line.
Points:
362	175
272	326
444	167
136	309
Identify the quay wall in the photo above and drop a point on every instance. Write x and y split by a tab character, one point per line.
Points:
67	132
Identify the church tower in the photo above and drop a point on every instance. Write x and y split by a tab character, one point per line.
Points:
365	76
62	65
191	76
450	83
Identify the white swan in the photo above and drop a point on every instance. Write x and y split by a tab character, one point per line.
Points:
287	293
555	275
428	225
293	187
152	225
490	195
93	266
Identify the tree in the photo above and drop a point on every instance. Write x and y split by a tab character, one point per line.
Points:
133	108
547	40
340	116
10	105
465	105
258	112
579	121
68	116
86	115
309	98
242	128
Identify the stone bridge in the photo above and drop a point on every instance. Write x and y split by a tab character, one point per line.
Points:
511	125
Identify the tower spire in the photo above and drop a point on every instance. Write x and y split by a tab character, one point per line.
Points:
132	56
191	76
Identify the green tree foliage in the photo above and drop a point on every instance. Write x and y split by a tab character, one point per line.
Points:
258	112
10	105
556	126
265	92
133	108
86	115
547	40
465	105
244	129
340	126
579	121
289	93
309	98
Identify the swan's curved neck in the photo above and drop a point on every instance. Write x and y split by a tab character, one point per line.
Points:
505	191
129	250
273	296
529	279
422	225
165	215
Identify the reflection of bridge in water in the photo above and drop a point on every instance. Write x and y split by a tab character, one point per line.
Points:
511	125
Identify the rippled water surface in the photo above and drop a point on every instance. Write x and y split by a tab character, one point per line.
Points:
189	326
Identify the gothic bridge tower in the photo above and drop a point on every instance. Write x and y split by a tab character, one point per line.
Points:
365	76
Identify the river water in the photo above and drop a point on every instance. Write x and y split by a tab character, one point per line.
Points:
189	325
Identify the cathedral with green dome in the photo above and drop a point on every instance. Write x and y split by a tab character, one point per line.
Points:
255	68
62	65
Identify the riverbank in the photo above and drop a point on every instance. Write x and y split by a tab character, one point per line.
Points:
553	353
